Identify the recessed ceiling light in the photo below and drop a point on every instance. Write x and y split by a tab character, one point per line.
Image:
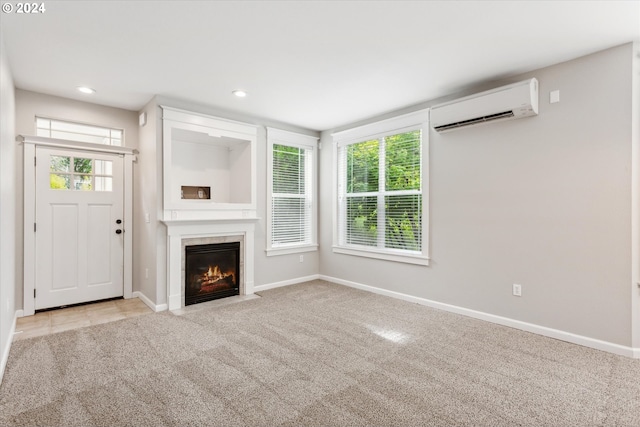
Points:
239	93
85	89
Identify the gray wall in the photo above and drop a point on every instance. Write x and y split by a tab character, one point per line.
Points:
32	104
147	199
544	202
635	220
9	262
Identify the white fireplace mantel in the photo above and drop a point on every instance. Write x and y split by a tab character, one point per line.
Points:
178	230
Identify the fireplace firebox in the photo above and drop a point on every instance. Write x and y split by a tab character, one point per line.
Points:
212	271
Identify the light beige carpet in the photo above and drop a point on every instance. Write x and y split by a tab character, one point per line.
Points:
314	354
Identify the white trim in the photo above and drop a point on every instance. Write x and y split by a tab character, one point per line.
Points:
295	281
28	236
505	321
292	138
386	126
418	120
148	302
173	118
76	131
385	255
127	268
291	249
179	230
75	145
202	119
7	348
303	142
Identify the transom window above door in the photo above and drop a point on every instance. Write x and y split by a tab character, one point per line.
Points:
80	174
72	131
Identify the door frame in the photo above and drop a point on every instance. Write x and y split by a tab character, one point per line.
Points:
29	190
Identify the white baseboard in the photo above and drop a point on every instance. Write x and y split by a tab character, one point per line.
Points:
285	283
148	302
7	347
505	321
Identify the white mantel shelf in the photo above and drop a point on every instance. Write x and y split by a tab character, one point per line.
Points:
188	222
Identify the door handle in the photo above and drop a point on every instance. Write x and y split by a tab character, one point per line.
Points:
118	231
118	221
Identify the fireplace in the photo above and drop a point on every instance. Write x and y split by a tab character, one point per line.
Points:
184	233
212	271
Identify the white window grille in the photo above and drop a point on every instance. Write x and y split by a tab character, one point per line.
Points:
382	202
71	131
291	186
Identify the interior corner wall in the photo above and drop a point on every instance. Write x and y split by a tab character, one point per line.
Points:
31	104
146	203
8	260
543	202
635	220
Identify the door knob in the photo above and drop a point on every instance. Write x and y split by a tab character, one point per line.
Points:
118	231
118	221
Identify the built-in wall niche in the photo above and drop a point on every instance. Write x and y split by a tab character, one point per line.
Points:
209	167
195	193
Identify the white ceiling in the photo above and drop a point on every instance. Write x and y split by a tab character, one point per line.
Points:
314	64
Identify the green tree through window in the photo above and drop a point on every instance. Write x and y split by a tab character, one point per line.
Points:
383	180
63	176
291	187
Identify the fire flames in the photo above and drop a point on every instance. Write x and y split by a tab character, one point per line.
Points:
213	275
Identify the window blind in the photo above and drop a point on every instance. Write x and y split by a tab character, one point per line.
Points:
380	192
290	200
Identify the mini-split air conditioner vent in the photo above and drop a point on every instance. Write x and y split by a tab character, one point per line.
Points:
483	119
514	101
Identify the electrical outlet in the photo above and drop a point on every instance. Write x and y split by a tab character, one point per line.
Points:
301	258
517	290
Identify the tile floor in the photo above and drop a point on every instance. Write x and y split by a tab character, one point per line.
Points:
64	319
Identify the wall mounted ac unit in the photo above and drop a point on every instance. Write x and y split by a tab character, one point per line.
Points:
513	101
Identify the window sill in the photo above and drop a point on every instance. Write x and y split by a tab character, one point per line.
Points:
291	250
368	253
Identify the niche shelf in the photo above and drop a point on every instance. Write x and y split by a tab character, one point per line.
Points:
209	167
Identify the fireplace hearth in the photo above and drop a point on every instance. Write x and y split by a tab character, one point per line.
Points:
212	271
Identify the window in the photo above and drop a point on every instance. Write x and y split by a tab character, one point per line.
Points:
291	187
382	197
80	174
78	132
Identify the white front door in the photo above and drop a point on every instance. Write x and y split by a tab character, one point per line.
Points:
79	226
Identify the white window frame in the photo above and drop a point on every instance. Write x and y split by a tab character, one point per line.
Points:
418	120
292	139
78	131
